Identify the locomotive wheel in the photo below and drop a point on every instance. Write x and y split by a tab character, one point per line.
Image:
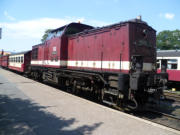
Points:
74	89
101	95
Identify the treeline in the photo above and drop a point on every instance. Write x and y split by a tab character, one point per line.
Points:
168	40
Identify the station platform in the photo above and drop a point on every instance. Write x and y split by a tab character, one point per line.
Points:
28	107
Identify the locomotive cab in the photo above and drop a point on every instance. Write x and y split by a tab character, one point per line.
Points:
53	53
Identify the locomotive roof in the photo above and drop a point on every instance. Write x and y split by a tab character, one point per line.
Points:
35	46
24	52
72	24
68	29
113	25
85	29
168	53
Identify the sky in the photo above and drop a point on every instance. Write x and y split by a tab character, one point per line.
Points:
23	22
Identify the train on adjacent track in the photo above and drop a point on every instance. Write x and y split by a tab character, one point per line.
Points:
117	63
173	63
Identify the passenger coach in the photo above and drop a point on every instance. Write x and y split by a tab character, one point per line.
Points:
20	61
173	63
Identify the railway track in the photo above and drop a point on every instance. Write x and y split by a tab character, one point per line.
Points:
167	120
172	95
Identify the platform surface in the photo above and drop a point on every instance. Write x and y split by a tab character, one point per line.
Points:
28	107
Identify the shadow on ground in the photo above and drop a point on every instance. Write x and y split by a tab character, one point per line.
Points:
22	117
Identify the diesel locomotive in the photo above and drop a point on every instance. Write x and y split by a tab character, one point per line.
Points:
117	63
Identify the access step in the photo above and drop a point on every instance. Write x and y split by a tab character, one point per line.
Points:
109	103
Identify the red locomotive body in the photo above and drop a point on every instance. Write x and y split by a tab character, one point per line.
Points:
111	48
4	61
100	49
20	61
115	62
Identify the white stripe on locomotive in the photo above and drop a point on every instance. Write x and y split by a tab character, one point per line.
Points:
123	65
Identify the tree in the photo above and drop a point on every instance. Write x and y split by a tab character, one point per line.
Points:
44	37
167	40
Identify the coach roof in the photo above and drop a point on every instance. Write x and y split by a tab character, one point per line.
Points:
168	53
18	53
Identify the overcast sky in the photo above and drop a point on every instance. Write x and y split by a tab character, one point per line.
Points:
23	22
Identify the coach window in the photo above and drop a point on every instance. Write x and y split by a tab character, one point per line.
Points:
172	64
158	64
22	59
